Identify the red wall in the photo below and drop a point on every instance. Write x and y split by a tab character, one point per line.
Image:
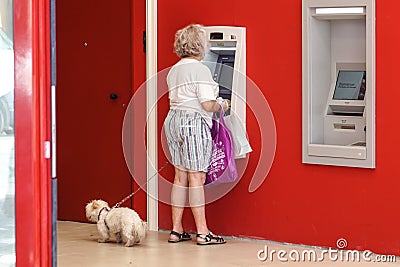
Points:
298	203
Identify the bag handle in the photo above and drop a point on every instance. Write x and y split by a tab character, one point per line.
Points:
221	120
221	117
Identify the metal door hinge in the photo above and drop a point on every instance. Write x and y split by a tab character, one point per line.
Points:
144	41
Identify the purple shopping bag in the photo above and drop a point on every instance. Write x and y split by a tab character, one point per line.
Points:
222	167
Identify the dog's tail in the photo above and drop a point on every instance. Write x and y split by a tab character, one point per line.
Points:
140	230
145	226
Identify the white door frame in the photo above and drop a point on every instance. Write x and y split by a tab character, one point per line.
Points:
151	113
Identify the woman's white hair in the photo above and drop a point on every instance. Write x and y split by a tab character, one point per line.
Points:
191	41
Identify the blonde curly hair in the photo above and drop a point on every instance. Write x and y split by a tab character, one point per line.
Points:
191	41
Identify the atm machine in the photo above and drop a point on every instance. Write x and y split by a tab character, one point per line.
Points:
226	60
344	119
339	83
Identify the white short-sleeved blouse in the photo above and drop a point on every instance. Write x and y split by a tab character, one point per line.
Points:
189	84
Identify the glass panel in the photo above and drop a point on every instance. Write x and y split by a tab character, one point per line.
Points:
7	167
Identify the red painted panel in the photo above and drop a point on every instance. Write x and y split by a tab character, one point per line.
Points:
32	129
298	203
94	59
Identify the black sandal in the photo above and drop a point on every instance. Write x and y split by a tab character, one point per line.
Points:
181	237
210	239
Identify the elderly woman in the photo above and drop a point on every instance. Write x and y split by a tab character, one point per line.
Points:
193	99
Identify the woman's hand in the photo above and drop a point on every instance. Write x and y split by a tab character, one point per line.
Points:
226	104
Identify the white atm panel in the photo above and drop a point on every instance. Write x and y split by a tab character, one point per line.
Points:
226	60
339	82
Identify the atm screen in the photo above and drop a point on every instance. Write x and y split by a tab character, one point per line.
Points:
350	85
225	79
224	75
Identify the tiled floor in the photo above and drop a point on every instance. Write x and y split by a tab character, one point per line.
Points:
77	246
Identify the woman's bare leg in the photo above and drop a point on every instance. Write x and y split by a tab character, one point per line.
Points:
178	199
196	199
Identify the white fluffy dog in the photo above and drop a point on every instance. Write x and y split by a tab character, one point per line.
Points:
125	223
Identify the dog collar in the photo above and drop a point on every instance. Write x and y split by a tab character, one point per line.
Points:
101	210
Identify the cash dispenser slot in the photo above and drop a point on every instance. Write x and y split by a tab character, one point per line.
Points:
346	127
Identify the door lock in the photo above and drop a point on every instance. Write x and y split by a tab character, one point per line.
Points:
113	96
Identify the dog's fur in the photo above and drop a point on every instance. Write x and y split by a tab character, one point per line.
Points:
125	223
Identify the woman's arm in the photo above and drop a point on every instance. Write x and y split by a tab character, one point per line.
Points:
213	106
